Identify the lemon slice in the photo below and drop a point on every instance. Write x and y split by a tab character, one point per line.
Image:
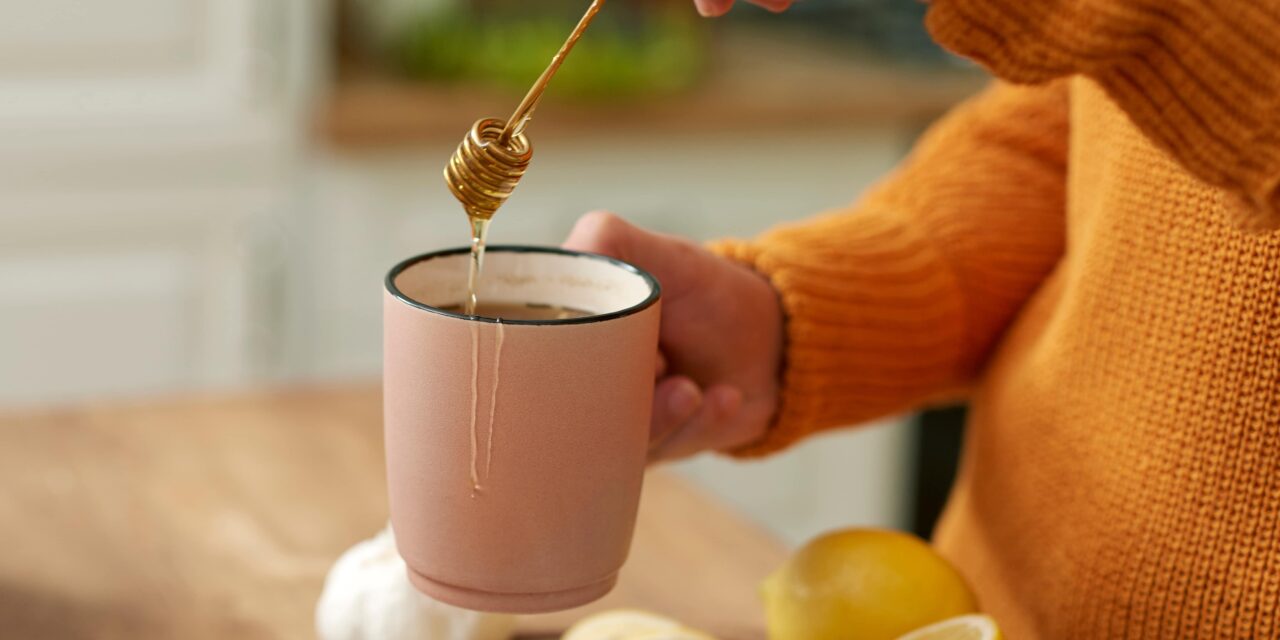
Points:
623	624
681	633
970	627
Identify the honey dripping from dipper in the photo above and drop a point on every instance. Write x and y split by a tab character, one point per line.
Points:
482	173
494	156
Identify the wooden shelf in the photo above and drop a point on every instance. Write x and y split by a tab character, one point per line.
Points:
754	82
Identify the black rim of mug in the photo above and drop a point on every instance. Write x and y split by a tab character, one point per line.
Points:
655	289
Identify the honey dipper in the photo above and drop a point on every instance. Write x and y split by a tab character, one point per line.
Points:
494	154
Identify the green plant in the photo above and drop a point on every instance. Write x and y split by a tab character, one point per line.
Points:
655	51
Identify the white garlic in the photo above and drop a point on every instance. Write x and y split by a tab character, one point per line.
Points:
367	596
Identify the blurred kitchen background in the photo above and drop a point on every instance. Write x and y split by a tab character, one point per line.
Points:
199	196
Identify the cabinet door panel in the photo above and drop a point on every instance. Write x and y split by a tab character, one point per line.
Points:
71	37
116	63
87	324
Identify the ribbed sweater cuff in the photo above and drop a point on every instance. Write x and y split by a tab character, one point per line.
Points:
1201	79
871	324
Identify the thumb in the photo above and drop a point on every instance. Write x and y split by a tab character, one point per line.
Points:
670	259
604	233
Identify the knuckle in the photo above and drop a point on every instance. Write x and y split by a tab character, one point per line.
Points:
600	231
604	222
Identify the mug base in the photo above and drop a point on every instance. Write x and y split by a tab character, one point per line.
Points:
543	602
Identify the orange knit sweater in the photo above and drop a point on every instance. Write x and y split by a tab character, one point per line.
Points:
1093	261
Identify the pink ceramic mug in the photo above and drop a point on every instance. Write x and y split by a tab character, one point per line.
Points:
516	449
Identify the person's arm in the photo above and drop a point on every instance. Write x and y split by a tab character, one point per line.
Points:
898	301
892	303
1201	78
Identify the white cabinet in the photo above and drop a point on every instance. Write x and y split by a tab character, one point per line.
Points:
144	146
75	320
138	63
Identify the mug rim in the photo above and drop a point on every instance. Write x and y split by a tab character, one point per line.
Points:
655	289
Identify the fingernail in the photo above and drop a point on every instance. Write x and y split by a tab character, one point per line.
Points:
709	8
684	399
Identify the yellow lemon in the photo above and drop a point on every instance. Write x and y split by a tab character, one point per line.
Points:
971	627
862	583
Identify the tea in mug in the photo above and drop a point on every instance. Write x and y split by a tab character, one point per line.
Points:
519	311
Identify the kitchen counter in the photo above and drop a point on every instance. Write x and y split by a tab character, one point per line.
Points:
219	517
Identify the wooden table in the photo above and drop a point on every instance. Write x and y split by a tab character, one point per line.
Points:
219	517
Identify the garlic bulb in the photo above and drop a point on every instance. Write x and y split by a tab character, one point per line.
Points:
367	596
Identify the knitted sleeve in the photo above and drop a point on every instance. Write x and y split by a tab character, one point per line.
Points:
898	301
1201	78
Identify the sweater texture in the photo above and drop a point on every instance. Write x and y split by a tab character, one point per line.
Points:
1088	253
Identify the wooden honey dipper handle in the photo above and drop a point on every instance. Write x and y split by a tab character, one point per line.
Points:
494	155
524	112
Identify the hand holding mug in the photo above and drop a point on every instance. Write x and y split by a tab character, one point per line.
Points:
721	338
